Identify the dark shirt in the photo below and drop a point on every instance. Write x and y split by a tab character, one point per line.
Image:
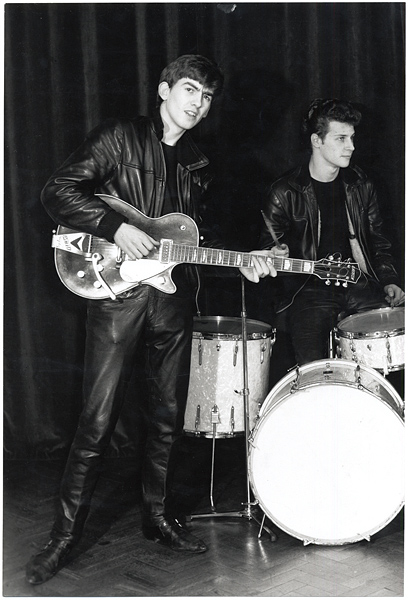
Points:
334	232
171	193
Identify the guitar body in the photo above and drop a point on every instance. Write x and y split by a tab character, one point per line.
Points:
77	271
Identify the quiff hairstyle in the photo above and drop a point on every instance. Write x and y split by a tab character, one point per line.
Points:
321	111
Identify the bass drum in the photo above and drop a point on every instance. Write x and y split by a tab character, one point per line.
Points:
215	403
326	458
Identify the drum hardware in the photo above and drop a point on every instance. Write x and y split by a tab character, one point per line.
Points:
200	353
234	362
247	511
197	419
295	384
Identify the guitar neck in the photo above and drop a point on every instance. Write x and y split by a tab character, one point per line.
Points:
198	255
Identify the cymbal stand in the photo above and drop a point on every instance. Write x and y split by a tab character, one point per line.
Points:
247	511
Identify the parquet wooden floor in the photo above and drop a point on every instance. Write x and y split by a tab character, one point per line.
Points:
114	560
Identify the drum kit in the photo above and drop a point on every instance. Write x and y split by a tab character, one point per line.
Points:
325	447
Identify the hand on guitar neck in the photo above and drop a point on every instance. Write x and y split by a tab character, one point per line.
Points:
263	267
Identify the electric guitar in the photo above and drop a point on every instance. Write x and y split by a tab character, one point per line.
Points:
95	269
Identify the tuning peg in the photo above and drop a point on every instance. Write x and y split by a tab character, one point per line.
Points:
337	283
345	284
327	282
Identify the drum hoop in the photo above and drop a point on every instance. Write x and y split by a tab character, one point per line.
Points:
210	335
326	541
398	410
336	361
198	335
370	335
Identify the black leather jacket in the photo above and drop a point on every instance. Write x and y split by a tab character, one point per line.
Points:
292	208
123	158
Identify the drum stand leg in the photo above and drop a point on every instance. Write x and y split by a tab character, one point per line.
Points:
247	511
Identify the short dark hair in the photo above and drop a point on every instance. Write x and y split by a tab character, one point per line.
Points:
323	110
196	67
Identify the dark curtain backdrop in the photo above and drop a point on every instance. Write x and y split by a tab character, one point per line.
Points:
68	66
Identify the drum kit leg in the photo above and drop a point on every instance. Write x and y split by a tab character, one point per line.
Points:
248	506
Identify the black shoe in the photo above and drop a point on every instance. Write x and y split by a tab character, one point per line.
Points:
46	563
173	535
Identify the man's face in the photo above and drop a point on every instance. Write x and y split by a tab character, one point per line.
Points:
185	104
337	147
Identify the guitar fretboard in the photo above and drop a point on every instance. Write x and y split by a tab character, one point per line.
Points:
229	258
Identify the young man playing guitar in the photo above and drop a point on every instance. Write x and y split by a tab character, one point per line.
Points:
152	165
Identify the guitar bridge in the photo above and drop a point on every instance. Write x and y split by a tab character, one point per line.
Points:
165	251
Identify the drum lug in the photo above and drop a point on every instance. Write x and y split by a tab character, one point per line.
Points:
197	420
263	350
234	360
200	353
357	376
389	358
232	420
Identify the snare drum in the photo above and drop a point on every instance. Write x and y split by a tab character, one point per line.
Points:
374	338
326	457
215	403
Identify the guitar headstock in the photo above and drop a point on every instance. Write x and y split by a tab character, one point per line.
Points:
334	269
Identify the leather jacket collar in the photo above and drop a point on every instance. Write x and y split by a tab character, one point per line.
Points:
300	178
188	154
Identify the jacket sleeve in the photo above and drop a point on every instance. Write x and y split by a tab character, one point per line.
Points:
69	194
275	216
379	246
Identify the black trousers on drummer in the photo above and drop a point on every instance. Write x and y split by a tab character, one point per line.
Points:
114	329
316	310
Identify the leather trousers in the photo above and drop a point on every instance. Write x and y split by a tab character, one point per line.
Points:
114	329
316	311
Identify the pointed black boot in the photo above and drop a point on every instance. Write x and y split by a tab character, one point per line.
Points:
170	533
46	563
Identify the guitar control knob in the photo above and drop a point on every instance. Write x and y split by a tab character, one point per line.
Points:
81	274
97	284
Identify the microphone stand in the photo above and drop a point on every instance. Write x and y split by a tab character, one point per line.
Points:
247	511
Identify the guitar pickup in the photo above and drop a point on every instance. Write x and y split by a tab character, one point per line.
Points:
165	251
